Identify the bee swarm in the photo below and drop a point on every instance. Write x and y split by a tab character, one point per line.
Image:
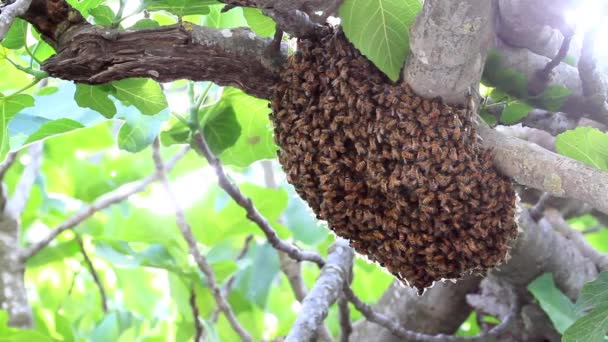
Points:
402	177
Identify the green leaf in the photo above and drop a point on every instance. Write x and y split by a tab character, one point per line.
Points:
145	23
180	7
255	281
514	112
9	106
586	144
103	15
179	133
260	23
139	131
146	95
591	328
256	140
554	97
220	126
95	97
54	127
15	37
593	294
84	6
218	19
380	30
559	308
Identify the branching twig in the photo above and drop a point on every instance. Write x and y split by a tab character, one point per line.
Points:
252	213
94	274
536	212
198	327
10	12
230	283
102	202
545	73
200	260
10	159
394	327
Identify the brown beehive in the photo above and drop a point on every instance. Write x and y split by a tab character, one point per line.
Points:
401	177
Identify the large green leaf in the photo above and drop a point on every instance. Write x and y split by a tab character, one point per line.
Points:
591	328
103	15
95	97
514	112
593	294
180	7
380	30
559	308
256	280
554	97
586	144
220	126
139	131
260	23
53	128
218	19
9	106
15	37
256	140
145	94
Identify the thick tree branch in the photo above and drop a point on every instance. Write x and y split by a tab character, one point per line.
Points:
533	166
234	57
102	202
9	12
449	44
200	260
327	289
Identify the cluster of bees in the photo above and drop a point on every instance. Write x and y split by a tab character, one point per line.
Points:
403	178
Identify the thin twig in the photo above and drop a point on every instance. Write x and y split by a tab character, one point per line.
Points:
10	159
252	213
544	73
94	274
593	229
536	212
102	202
17	203
200	260
198	326
399	331
229	285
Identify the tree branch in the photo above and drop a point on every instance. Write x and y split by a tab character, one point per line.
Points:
529	164
94	274
8	14
17	203
234	57
102	202
327	289
200	260
252	213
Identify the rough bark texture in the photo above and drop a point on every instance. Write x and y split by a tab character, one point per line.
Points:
324	293
533	166
234	57
449	44
440	310
13	295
